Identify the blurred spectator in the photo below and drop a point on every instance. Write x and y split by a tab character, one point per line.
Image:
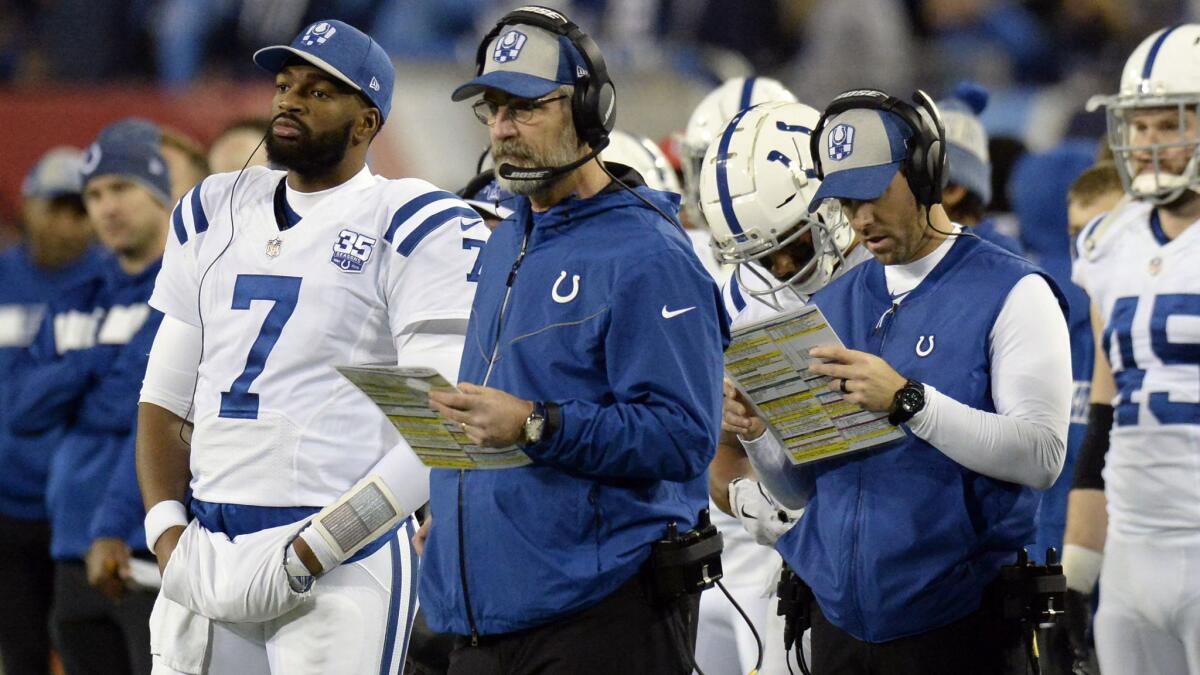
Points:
238	145
1096	191
55	256
867	42
187	163
90	356
969	190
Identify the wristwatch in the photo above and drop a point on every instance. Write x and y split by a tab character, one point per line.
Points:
908	401
535	424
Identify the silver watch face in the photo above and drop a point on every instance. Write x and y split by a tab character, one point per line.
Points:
533	428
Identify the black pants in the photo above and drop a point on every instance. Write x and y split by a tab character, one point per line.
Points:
982	643
624	634
94	634
28	575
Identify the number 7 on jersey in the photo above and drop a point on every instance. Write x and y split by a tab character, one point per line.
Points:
238	402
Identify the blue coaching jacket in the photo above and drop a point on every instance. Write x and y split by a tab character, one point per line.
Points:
613	318
901	540
91	357
26	292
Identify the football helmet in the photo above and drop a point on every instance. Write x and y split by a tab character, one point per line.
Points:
756	182
644	156
1162	73
710	117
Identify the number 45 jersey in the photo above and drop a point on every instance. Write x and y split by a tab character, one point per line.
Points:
1147	290
275	424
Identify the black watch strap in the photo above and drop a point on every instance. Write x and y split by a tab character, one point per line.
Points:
908	401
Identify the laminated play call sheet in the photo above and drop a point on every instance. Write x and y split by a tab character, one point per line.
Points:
768	361
403	396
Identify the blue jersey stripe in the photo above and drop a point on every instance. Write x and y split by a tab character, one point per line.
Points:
747	93
1150	57
432	223
177	222
198	218
408	210
393	614
722	179
414	578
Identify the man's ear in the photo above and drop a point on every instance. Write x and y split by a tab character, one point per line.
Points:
369	122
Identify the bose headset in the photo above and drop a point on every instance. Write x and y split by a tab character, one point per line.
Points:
593	103
925	165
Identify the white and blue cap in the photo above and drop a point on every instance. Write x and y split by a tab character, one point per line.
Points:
343	51
967	140
861	150
526	62
59	173
129	150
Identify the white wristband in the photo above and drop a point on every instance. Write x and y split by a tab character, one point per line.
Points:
162	517
1081	566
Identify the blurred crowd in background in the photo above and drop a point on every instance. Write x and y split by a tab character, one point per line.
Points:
1040	60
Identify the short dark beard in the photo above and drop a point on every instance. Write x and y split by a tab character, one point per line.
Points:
313	156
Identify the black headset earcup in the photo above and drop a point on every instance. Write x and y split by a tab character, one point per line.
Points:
606	106
937	171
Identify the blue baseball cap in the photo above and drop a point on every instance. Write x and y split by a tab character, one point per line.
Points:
58	173
344	52
527	62
861	150
136	156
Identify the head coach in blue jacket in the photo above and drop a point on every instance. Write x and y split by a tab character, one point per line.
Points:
965	346
595	343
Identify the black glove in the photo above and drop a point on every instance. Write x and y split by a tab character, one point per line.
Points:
1078	619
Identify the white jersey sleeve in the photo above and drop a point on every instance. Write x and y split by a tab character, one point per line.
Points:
437	239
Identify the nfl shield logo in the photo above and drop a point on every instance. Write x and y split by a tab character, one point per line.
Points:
841	142
509	47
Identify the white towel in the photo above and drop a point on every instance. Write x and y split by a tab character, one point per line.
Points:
178	638
242	581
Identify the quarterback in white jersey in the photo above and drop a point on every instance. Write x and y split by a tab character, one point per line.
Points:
756	183
1138	264
298	559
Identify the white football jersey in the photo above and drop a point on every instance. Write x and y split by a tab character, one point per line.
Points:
275	424
1147	290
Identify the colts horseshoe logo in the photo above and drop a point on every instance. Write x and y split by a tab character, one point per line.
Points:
559	297
922	350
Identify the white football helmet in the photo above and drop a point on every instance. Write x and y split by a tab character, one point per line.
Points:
1163	73
644	156
756	183
707	120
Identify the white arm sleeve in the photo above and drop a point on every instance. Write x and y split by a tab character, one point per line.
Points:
790	485
170	377
1024	441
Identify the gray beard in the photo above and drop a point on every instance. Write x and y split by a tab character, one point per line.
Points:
565	152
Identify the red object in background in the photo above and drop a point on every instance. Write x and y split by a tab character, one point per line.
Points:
35	119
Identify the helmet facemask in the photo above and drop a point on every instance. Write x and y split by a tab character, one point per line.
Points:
1159	185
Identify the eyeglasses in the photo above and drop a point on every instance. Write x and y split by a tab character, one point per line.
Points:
520	110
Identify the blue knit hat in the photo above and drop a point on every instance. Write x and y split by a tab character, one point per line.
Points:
128	148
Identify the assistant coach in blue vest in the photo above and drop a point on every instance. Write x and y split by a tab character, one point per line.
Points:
965	345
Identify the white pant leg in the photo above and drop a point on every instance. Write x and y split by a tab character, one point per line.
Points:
1148	622
724	643
359	618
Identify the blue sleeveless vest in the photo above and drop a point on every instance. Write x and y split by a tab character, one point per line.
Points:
901	540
